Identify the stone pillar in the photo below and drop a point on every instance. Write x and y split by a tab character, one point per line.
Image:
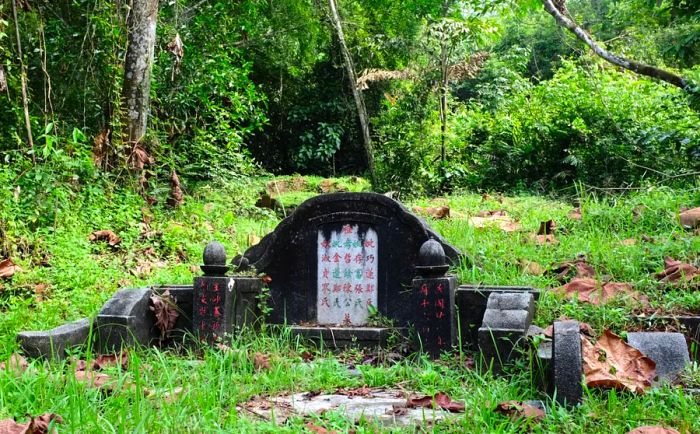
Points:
433	293
214	296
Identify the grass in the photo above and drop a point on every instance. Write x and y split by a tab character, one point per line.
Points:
82	275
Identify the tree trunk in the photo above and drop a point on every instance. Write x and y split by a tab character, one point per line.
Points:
23	75
356	93
557	9
137	68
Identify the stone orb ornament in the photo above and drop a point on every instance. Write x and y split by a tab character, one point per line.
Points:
432	261
214	258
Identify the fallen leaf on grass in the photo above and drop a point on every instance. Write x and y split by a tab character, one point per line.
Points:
103	361
628	242
317	429
440	400
15	363
592	291
547	228
105	235
253	239
36	425
653	430
690	218
173	395
437	212
577	268
584	328
519	410
261	361
575	214
544	239
675	271
8	268
397	411
307	356
176	196
530	267
96	380
612	363
357	391
499	219
164	307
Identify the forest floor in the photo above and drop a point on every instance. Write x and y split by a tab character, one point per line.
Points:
65	276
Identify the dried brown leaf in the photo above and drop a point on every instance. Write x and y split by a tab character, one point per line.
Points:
176	198
592	291
357	391
139	158
499	219
318	429
261	361
690	218
436	212
164	307
530	267
8	268
15	363
103	361
105	235
36	425
101	145
567	270
575	214
653	430
612	363
628	242
519	410
397	411
547	228
440	400
253	239
544	239
677	271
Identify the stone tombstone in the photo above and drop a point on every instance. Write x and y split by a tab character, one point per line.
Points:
339	253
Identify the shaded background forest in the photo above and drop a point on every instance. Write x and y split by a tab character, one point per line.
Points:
242	87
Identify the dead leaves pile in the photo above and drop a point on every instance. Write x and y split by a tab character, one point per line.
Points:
164	307
588	290
612	363
690	218
436	212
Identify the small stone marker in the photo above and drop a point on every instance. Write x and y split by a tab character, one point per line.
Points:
213	301
668	350
434	295
505	325
567	362
126	320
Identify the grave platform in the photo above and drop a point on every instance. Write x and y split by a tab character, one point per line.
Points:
350	337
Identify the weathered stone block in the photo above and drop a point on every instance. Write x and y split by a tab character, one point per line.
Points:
212	313
126	320
471	300
246	307
668	350
52	344
567	363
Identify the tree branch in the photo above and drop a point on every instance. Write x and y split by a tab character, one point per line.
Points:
560	14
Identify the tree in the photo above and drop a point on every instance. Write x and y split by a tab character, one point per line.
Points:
137	70
557	9
356	93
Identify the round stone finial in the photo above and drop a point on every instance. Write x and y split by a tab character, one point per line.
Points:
431	254
432	261
214	254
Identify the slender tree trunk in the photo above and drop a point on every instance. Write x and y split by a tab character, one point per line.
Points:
557	9
356	93
443	101
23	74
137	68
